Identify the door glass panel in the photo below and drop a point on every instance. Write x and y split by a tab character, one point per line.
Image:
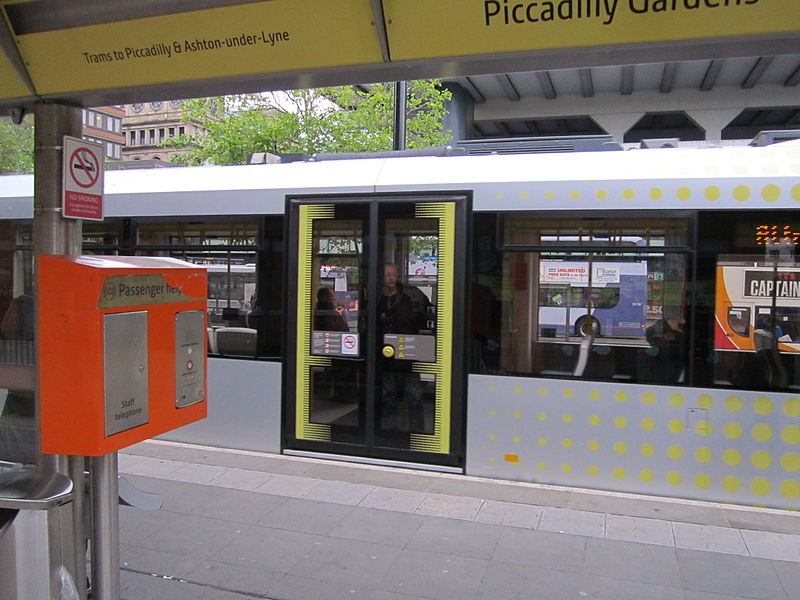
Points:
336	284
406	322
338	383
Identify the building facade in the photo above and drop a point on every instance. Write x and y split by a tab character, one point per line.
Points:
146	126
103	125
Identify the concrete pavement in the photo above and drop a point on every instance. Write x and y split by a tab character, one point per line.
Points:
242	525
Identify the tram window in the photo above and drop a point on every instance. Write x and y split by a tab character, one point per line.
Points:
100	237
231	291
747	308
223	233
570	233
244	300
622	309
231	283
757	322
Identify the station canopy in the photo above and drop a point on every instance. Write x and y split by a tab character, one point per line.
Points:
105	52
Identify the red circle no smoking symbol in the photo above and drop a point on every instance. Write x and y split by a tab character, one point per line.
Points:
349	342
84	168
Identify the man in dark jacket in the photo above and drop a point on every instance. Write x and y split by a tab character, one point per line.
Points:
401	407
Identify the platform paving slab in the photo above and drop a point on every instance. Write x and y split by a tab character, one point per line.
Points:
690	536
307	516
638	529
730	574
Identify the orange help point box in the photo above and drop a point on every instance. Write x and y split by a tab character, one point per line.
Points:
122	350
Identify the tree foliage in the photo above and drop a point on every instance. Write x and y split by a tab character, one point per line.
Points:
16	146
337	119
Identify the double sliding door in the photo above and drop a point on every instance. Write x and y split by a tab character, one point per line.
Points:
376	310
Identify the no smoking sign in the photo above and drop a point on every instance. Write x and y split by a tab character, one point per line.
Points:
350	344
83	179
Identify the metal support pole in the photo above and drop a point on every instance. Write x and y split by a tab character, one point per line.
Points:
104	485
52	234
77	468
400	95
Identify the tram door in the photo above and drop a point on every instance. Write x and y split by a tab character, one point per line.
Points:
375	332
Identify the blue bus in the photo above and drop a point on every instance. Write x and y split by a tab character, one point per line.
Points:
607	298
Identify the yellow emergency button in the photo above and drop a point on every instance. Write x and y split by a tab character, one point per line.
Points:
388	351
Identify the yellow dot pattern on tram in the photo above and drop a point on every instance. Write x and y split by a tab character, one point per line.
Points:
761	432
741	193
745	448
703	481
791	406
763	405
790	462
790	488
675	452
731	457
733	430
779	192
676	400
705	401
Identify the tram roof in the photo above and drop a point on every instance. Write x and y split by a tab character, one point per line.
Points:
586	181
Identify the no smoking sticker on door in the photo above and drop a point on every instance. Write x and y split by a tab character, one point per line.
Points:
350	344
83	179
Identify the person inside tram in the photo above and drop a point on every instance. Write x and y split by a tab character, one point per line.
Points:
402	408
765	323
769	366
327	315
666	339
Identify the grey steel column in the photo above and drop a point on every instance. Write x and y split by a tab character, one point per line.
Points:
400	95
77	468
104	483
52	234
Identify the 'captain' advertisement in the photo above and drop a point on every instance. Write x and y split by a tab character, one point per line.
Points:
757	306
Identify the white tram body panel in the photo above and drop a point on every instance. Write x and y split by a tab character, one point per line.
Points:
737	177
719	444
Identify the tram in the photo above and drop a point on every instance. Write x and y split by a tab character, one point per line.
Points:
392	310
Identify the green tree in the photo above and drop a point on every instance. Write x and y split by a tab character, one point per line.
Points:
16	146
337	119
